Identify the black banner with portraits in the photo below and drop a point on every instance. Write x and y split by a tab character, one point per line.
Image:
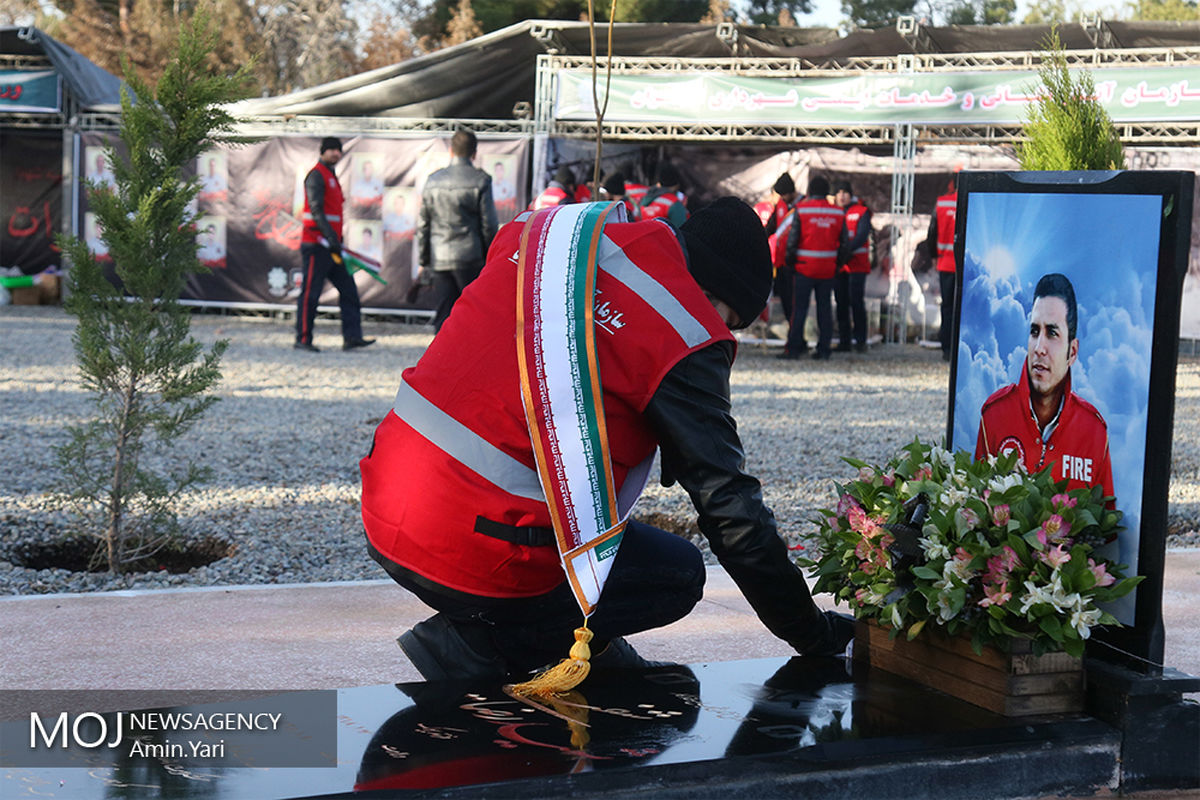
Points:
251	198
1067	314
30	199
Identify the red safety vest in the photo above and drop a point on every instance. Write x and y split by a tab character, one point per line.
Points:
764	209
947	206
582	193
661	206
777	241
1077	448
860	259
334	199
456	446
636	191
550	196
821	225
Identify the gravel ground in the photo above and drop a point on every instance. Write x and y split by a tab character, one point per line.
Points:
285	440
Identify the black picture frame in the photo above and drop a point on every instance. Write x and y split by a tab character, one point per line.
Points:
1138	645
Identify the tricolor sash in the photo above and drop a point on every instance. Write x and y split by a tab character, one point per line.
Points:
560	384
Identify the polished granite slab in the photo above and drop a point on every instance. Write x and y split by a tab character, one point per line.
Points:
697	724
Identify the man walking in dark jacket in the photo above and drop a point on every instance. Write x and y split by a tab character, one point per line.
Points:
458	221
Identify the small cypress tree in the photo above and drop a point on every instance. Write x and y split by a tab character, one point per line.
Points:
148	377
1068	129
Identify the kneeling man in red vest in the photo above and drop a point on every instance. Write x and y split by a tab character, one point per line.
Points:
456	487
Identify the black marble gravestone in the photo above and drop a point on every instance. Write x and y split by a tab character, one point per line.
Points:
800	727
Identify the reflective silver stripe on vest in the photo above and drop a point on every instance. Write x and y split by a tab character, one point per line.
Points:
307	217
947	203
862	250
817	253
945	247
612	259
837	212
465	446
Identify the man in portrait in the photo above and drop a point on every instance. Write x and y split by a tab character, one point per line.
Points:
1039	416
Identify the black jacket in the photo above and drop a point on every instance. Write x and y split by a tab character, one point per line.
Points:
690	414
458	217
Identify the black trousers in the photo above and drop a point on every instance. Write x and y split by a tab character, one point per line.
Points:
657	578
806	288
448	285
848	293
318	265
947	280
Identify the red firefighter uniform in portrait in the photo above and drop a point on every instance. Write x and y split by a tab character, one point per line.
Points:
1077	444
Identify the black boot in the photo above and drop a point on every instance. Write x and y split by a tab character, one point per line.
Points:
832	632
442	650
619	654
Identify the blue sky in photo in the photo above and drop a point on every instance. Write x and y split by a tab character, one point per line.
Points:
1107	245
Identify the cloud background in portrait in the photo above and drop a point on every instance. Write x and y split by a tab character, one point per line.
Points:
1107	245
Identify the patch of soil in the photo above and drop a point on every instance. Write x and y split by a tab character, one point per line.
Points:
79	554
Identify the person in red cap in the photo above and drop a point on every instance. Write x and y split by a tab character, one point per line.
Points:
454	510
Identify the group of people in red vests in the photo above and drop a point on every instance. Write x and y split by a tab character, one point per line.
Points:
820	245
663	200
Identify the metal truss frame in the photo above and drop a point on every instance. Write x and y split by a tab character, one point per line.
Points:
904	62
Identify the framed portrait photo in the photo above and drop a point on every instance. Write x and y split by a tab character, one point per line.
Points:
1067	331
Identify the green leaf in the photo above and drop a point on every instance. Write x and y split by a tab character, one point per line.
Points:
925	572
1052	626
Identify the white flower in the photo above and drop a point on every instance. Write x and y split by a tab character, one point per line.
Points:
945	612
933	548
1002	483
943	455
897	622
1034	595
958	568
1084	621
953	498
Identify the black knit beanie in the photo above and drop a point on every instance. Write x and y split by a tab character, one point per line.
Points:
818	187
615	184
729	257
330	143
667	175
564	176
784	185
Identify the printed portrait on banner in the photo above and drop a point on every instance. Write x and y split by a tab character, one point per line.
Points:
213	173
1054	345
96	166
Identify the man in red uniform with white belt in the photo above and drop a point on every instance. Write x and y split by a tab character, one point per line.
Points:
452	503
1039	416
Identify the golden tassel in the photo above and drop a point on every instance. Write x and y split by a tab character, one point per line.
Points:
566	674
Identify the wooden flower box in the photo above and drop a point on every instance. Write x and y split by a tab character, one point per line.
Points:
1015	683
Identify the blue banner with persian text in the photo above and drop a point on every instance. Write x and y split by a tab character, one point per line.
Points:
38	92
